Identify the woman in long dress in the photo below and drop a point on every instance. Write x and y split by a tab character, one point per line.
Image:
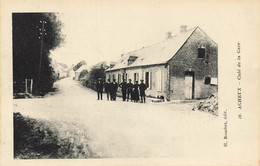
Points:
136	91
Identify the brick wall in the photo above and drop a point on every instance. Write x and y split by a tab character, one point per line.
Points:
187	60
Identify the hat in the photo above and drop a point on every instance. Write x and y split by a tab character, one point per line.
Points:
99	78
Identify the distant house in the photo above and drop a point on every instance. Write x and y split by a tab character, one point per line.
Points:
184	66
79	70
60	69
70	72
82	65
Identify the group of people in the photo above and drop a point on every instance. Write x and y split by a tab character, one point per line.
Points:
130	91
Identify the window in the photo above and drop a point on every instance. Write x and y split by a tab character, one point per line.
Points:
136	77
207	80
201	53
131	59
109	77
147	79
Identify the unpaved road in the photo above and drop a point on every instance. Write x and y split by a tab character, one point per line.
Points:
125	129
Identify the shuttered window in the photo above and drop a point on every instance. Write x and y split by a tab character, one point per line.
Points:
113	77
159	80
147	79
151	80
214	81
125	77
119	78
136	77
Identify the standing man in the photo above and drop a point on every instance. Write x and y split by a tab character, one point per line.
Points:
129	89
99	87
113	91
108	88
123	85
142	88
136	91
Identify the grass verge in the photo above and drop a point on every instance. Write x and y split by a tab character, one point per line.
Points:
42	139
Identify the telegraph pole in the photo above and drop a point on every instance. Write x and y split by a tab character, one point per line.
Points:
42	33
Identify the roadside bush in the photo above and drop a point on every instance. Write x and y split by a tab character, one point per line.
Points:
33	139
39	139
97	71
83	74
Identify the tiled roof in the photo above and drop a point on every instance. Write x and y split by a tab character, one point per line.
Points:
158	53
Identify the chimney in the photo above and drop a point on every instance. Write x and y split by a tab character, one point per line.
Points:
183	28
168	35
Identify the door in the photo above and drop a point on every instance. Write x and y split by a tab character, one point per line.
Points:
189	85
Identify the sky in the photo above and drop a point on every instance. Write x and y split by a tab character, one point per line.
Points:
103	31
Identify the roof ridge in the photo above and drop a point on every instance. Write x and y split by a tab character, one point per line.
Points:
160	41
178	37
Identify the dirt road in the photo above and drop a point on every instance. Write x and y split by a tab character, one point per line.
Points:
125	129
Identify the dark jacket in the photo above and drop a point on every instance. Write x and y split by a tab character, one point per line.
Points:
99	86
107	87
135	87
129	86
142	88
135	92
123	85
114	87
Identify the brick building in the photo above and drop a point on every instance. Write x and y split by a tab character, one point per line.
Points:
184	66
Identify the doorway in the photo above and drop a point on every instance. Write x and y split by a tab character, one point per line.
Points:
189	85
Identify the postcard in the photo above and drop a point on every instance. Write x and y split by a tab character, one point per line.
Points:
130	82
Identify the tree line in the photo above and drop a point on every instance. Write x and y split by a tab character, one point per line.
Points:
89	78
32	43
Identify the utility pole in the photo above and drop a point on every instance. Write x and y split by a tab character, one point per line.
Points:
42	33
31	86
26	86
